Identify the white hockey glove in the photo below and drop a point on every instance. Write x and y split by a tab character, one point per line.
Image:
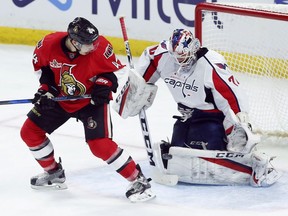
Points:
135	95
241	139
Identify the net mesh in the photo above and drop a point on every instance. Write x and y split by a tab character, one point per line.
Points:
256	51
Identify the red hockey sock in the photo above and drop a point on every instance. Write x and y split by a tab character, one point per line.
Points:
109	151
39	144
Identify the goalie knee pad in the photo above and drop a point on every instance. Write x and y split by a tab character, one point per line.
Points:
160	152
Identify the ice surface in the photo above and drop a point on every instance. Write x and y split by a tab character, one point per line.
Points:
94	189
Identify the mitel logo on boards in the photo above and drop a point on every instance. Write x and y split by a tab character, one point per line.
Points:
160	8
62	6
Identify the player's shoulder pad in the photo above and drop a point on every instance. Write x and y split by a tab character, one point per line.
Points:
158	49
214	56
163	47
50	39
104	47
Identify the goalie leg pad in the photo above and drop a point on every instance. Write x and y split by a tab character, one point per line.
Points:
209	167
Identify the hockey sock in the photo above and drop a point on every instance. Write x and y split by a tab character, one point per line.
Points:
114	156
39	145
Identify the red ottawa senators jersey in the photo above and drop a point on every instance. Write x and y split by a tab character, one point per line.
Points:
74	76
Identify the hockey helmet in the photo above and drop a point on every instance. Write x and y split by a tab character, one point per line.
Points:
82	31
183	46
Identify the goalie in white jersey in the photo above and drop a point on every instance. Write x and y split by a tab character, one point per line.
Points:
212	142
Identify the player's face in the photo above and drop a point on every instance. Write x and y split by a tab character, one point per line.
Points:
85	49
182	58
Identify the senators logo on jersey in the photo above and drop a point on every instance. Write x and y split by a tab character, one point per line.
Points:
69	85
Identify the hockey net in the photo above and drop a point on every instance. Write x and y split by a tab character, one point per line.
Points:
252	38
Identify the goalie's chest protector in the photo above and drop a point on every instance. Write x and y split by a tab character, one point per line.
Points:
186	86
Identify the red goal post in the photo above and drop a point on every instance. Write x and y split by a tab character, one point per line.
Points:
253	39
233	10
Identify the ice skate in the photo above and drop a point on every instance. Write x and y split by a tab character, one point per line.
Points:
264	174
140	189
51	180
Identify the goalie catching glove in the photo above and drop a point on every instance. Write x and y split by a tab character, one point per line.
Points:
134	96
241	139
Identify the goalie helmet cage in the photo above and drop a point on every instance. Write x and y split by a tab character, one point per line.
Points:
253	39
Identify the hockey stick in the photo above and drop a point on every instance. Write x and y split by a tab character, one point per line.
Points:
157	175
142	114
61	98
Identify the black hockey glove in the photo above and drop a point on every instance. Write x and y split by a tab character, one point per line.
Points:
104	85
43	97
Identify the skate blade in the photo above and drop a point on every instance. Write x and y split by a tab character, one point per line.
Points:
54	186
142	197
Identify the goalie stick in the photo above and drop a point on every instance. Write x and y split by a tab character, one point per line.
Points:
158	176
60	98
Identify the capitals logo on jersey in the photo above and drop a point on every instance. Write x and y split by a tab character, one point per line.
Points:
69	85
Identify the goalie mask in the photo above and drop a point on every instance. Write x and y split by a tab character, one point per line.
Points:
84	34
183	46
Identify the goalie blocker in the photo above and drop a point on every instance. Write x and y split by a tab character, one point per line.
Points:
212	167
134	95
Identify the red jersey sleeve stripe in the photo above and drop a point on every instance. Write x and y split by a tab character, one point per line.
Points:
151	68
222	87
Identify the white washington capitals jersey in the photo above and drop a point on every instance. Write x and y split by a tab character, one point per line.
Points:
207	85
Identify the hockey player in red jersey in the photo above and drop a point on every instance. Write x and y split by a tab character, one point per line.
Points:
73	63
